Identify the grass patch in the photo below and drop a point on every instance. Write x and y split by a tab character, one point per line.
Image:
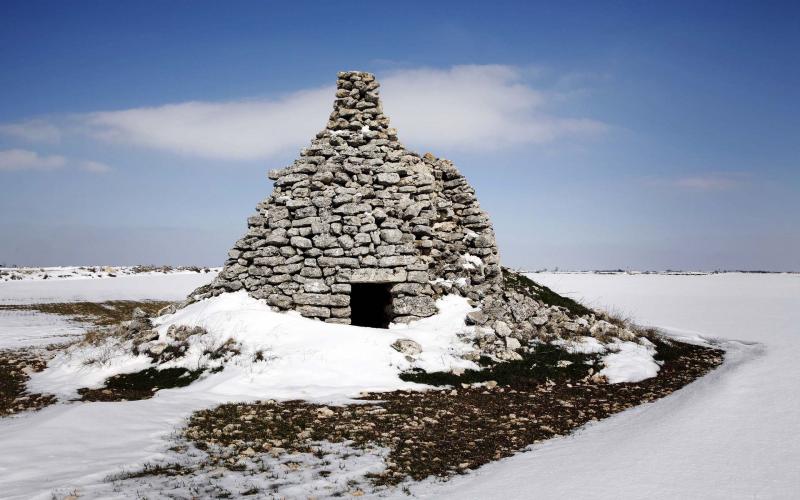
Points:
149	469
15	366
140	385
545	362
107	313
523	284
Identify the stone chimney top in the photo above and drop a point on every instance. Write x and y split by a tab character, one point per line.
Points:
358	106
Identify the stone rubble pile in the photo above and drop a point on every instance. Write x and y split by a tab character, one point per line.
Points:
508	322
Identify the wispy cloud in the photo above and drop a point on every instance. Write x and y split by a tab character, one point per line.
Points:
238	130
713	181
464	107
22	159
95	167
32	131
475	108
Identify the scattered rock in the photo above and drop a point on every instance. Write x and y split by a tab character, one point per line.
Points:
407	347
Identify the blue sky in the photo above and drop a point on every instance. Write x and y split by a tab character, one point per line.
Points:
639	135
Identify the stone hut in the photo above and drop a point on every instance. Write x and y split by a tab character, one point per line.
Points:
359	230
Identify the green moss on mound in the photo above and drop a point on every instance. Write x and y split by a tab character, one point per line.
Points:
543	363
140	385
522	284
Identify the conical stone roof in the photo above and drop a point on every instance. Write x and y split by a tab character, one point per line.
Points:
358	207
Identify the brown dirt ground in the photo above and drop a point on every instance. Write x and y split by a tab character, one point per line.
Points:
440	432
15	368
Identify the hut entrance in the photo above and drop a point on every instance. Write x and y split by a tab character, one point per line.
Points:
371	305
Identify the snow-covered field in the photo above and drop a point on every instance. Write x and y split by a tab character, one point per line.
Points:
92	272
732	434
33	328
24	328
153	286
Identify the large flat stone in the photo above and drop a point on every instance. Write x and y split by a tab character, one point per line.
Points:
321	299
375	275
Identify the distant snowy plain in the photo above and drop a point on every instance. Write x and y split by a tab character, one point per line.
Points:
732	434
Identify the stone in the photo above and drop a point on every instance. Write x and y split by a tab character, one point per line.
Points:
410	289
300	242
139	314
387	178
374	275
325	412
157	349
391	235
325	241
351	209
276	239
476	318
316	286
407	347
422	306
396	260
288	268
319	299
418	277
311	272
340	312
269	261
539	320
337	262
314	311
279	300
501	328
507	355
346	241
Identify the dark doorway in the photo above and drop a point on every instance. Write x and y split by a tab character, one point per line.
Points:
370	305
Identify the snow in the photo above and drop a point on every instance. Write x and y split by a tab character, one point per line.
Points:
333	469
731	434
471	261
83	272
582	345
629	362
309	359
32	328
306	359
624	361
155	286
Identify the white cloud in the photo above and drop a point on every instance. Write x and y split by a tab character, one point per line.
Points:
95	167
237	130
463	107
21	159
714	181
32	131
474	108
